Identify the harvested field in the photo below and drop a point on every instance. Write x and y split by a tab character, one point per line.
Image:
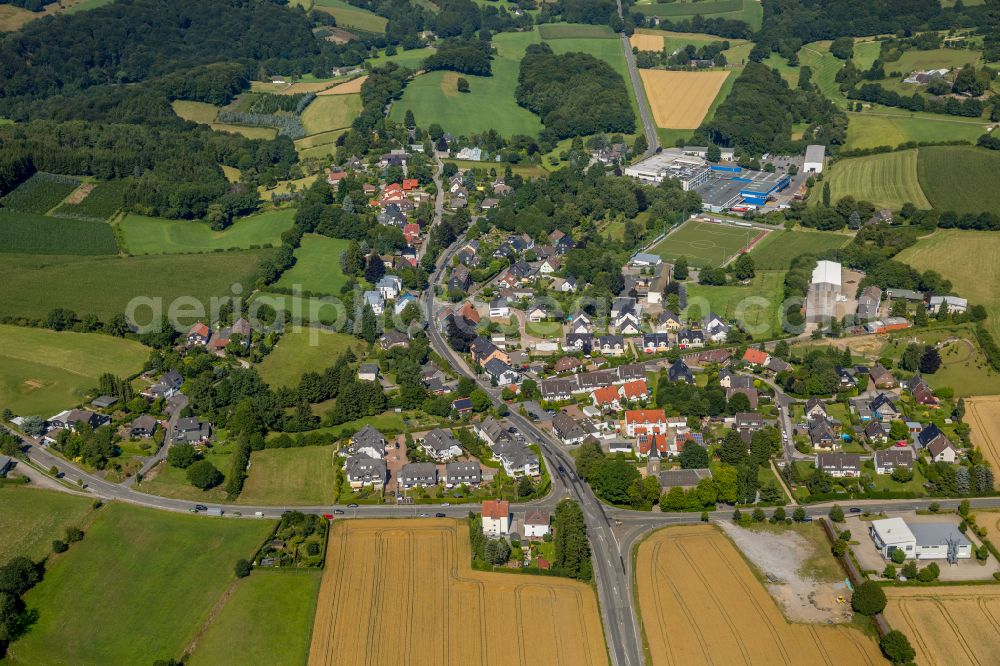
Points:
705	606
680	100
965	621
347	88
646	42
397	591
983	414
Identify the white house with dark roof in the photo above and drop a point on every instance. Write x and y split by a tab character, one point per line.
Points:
440	444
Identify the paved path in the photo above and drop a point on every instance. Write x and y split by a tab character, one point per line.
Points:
649	127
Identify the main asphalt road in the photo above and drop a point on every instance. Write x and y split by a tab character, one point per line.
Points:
648	126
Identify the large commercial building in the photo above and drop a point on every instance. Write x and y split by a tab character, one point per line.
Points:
815	156
824	291
721	186
921	541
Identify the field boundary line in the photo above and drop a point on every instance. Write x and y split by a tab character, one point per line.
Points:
213	614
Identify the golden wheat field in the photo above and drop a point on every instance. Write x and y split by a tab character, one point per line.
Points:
646	42
680	100
346	88
948	625
701	604
983	414
403	592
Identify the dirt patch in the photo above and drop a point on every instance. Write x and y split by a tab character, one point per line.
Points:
702	604
983	414
80	193
646	42
403	591
782	557
346	88
449	84
32	385
680	100
340	36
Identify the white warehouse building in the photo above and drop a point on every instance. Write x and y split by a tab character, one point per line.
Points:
815	156
921	541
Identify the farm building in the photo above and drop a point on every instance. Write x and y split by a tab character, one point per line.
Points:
815	156
952	304
824	292
922	541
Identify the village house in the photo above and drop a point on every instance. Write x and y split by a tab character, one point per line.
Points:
416	474
680	372
363	470
441	445
756	357
368	372
198	335
887	460
496	518
462	473
644	422
839	465
579	342
190	430
368	441
143	427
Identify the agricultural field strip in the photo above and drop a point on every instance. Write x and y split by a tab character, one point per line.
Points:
736	620
964	617
681	99
984	417
545	611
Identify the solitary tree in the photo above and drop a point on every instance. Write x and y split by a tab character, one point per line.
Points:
868	598
204	475
896	647
463	85
930	361
681	268
744	267
836	514
242	568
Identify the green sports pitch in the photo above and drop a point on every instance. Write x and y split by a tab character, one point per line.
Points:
706	243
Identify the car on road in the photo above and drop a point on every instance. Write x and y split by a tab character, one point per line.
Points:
200	507
193	509
352	506
855	509
425	515
446	504
237	514
562	470
439	515
339	512
328	516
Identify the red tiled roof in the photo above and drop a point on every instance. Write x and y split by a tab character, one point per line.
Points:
393	187
646	443
755	356
199	329
496	509
411	184
645	416
470	313
336	176
606	395
635	389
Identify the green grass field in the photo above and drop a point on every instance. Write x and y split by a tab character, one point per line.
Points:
43	372
34	284
757	306
297	308
608	50
749	11
704	244
411	59
575	31
268	619
914	60
317	266
776	250
247	131
167	481
882	126
543	329
330	112
137	588
196	112
949	251
886	180
433	97
866	53
302	476
349	16
299	351
525	170
34	517
960	178
39	234
154	235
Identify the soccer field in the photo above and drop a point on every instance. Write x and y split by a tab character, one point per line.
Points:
705	243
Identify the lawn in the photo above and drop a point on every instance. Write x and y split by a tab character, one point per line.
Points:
137	588
776	250
948	251
824	70
39	234
755	306
268	619
749	11
704	244
304	350
866	53
167	481
349	16
525	170
887	180
33	284
960	178
330	112
33	518
882	126
544	329
302	476
43	372
293	309
246	130
914	60
317	266
490	103
154	235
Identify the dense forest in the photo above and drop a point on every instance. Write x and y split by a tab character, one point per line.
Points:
575	94
598	12
757	116
468	56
